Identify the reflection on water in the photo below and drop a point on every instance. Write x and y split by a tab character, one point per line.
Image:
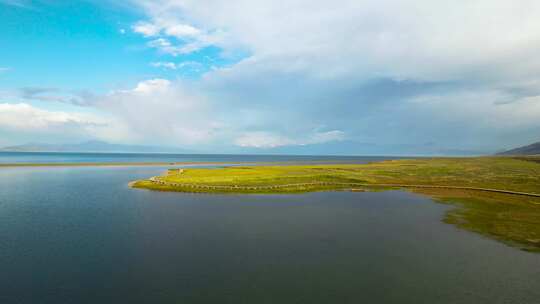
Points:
80	235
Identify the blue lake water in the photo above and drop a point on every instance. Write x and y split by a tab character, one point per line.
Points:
80	235
58	157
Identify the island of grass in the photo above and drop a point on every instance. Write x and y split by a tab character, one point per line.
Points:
496	196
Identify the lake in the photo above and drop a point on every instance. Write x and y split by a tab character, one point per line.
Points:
88	157
80	235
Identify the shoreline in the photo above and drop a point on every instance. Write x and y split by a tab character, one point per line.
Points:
192	163
497	197
154	180
117	164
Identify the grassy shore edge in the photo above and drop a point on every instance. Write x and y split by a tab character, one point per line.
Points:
509	218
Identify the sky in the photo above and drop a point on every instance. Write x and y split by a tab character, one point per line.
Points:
346	77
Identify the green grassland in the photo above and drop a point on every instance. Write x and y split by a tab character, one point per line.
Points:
513	219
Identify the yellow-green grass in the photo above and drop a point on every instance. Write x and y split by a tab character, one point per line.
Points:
514	219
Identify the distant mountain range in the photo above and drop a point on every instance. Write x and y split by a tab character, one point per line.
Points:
532	149
90	146
101	146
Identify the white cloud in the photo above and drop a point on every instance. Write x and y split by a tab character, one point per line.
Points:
263	140
165	65
160	111
172	35
152	86
480	110
81	98
190	65
147	29
182	31
162	44
323	137
458	71
272	140
178	30
165	46
4	69
22	116
23	122
312	62
400	39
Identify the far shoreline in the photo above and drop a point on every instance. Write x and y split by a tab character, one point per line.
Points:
163	164
118	164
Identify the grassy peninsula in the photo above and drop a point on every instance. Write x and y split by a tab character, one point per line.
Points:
470	184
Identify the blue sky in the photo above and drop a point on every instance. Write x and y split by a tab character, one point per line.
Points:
82	45
307	77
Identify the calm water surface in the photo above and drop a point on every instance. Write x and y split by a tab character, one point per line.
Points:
80	235
59	157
